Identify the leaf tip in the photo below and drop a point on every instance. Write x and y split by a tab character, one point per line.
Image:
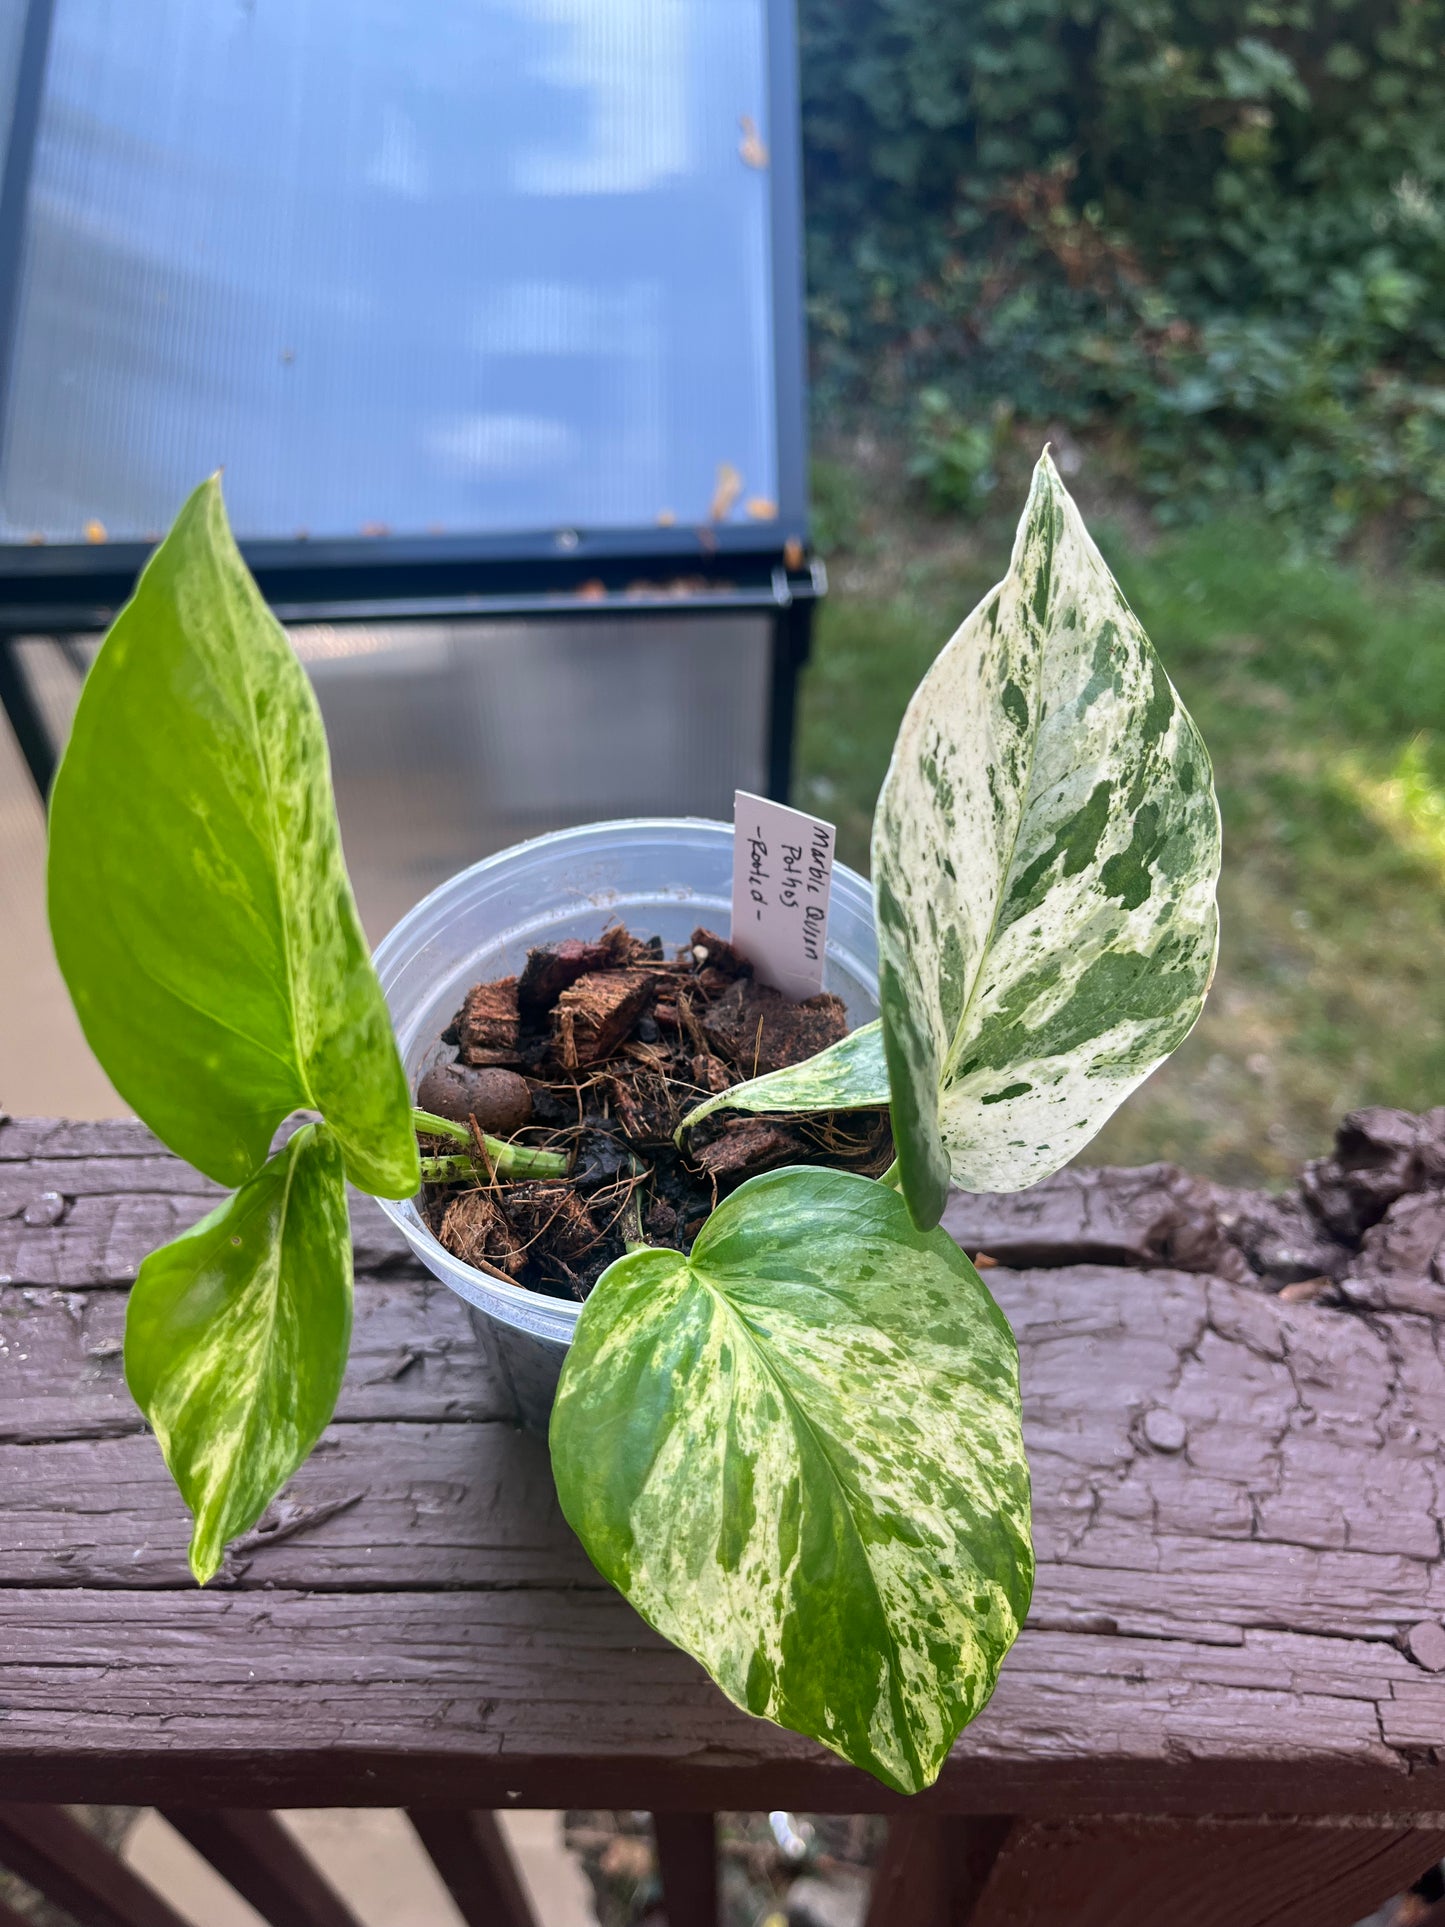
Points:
1046	470
205	1557
205	505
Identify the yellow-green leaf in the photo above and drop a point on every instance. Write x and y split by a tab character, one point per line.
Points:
236	1337
851	1075
798	1453
199	903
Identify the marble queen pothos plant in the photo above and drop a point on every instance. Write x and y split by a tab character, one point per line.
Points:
796	1450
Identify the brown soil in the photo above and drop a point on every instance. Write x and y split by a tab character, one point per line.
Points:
599	1050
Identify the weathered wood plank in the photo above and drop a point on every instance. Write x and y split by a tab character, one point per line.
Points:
374	1507
1157	1215
524	1696
23	1186
1239	1506
91	1223
1299	1486
100	1240
414	1355
29	1138
910	1881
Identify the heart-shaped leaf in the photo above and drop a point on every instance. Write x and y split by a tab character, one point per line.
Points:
236	1337
851	1075
798	1453
199	903
1045	851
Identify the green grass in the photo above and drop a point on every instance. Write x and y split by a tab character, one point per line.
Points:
1321	693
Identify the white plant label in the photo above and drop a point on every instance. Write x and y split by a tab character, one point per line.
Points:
782	880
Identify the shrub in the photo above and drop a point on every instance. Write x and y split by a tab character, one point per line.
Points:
1219	224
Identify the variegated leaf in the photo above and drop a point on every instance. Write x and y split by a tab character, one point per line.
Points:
798	1453
850	1075
199	902
236	1337
1044	859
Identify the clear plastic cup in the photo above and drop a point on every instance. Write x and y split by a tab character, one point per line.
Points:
660	876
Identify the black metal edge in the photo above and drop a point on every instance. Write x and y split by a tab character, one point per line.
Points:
691	549
19	165
791	645
790	328
59	616
23	712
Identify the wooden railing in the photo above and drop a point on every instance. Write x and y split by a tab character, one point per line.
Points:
1228	1707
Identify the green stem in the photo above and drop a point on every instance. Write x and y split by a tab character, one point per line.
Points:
455	1170
524	1160
508	1160
891	1177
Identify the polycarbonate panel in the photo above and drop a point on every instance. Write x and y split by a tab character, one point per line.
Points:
451	740
469	266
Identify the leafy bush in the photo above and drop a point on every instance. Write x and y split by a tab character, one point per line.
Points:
954	454
1217	224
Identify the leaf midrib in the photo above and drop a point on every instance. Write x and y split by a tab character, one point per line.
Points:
273	827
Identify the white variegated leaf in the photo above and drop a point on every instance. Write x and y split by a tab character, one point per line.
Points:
798	1452
851	1075
1045	853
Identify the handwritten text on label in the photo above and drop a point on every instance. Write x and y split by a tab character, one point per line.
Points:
782	878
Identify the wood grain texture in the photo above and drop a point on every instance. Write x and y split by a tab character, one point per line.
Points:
1239	1514
399	1507
414	1358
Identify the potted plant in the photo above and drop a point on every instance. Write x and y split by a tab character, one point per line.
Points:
663	876
795	1445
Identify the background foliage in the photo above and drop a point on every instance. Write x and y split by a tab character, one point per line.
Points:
1214	228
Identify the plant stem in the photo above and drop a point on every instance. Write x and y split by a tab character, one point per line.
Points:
447	1170
511	1160
632	1238
891	1178
508	1160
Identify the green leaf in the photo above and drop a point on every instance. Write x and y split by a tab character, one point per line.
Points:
798	1453
1045	852
199	903
236	1337
850	1075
